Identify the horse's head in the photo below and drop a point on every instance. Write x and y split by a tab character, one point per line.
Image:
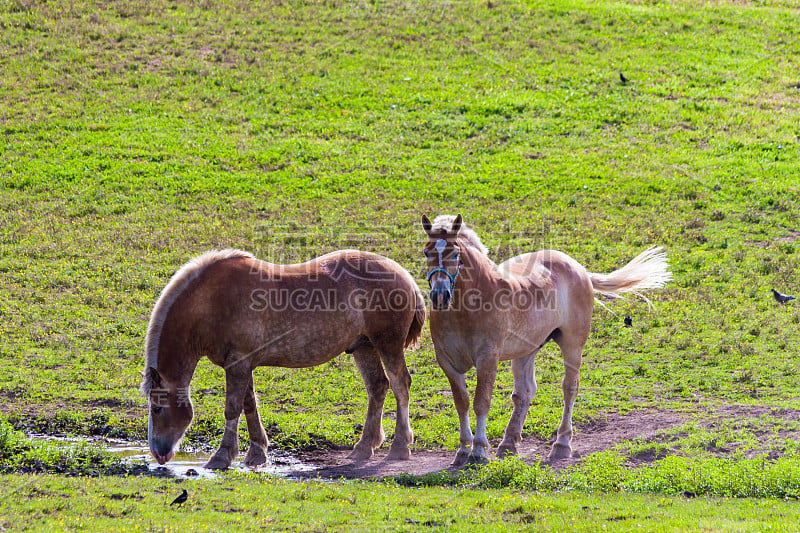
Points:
170	414
443	256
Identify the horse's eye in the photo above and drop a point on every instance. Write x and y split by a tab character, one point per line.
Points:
155	409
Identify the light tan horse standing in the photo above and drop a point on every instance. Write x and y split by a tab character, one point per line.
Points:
483	313
242	313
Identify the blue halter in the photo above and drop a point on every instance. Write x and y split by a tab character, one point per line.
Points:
451	277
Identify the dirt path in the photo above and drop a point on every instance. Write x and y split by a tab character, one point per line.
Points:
596	436
599	435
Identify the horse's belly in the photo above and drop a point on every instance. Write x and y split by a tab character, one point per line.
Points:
303	343
516	349
518	344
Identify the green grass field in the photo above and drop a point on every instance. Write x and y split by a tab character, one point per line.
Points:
136	135
244	504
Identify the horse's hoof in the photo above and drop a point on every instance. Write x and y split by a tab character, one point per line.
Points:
461	458
506	451
560	451
217	463
399	454
360	454
255	458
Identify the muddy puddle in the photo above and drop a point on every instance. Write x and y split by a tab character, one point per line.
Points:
188	463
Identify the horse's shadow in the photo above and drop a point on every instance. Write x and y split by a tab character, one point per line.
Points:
421	465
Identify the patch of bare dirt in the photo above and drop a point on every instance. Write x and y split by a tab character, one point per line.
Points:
792	237
601	434
598	435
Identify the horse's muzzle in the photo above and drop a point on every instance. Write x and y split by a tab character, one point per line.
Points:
163	458
440	298
161	451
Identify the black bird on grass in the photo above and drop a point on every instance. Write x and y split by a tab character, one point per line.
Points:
781	298
181	499
623	79
628	322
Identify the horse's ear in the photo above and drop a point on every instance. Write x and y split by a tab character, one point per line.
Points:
457	223
155	379
426	224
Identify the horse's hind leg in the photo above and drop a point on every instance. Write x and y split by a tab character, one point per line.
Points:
369	364
572	353
394	362
257	452
524	370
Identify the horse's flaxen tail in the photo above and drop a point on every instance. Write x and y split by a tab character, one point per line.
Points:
415	331
648	270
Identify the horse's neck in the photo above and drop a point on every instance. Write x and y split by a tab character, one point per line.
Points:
477	269
177	363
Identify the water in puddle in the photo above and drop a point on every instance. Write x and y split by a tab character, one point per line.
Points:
187	463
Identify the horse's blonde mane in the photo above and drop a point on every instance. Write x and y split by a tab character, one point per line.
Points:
179	281
445	223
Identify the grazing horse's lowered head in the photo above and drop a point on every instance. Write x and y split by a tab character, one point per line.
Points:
169	364
171	412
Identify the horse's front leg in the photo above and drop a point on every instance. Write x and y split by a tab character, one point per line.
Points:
369	364
458	386
524	373
236	383
486	367
259	442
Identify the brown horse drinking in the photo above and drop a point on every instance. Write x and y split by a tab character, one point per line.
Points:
242	313
483	313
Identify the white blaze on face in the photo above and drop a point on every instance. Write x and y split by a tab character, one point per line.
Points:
149	426
440	245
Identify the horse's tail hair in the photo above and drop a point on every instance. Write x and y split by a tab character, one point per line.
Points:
415	331
648	270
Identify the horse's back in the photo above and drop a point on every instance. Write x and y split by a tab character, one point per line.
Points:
546	268
366	267
346	268
245	306
304	314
